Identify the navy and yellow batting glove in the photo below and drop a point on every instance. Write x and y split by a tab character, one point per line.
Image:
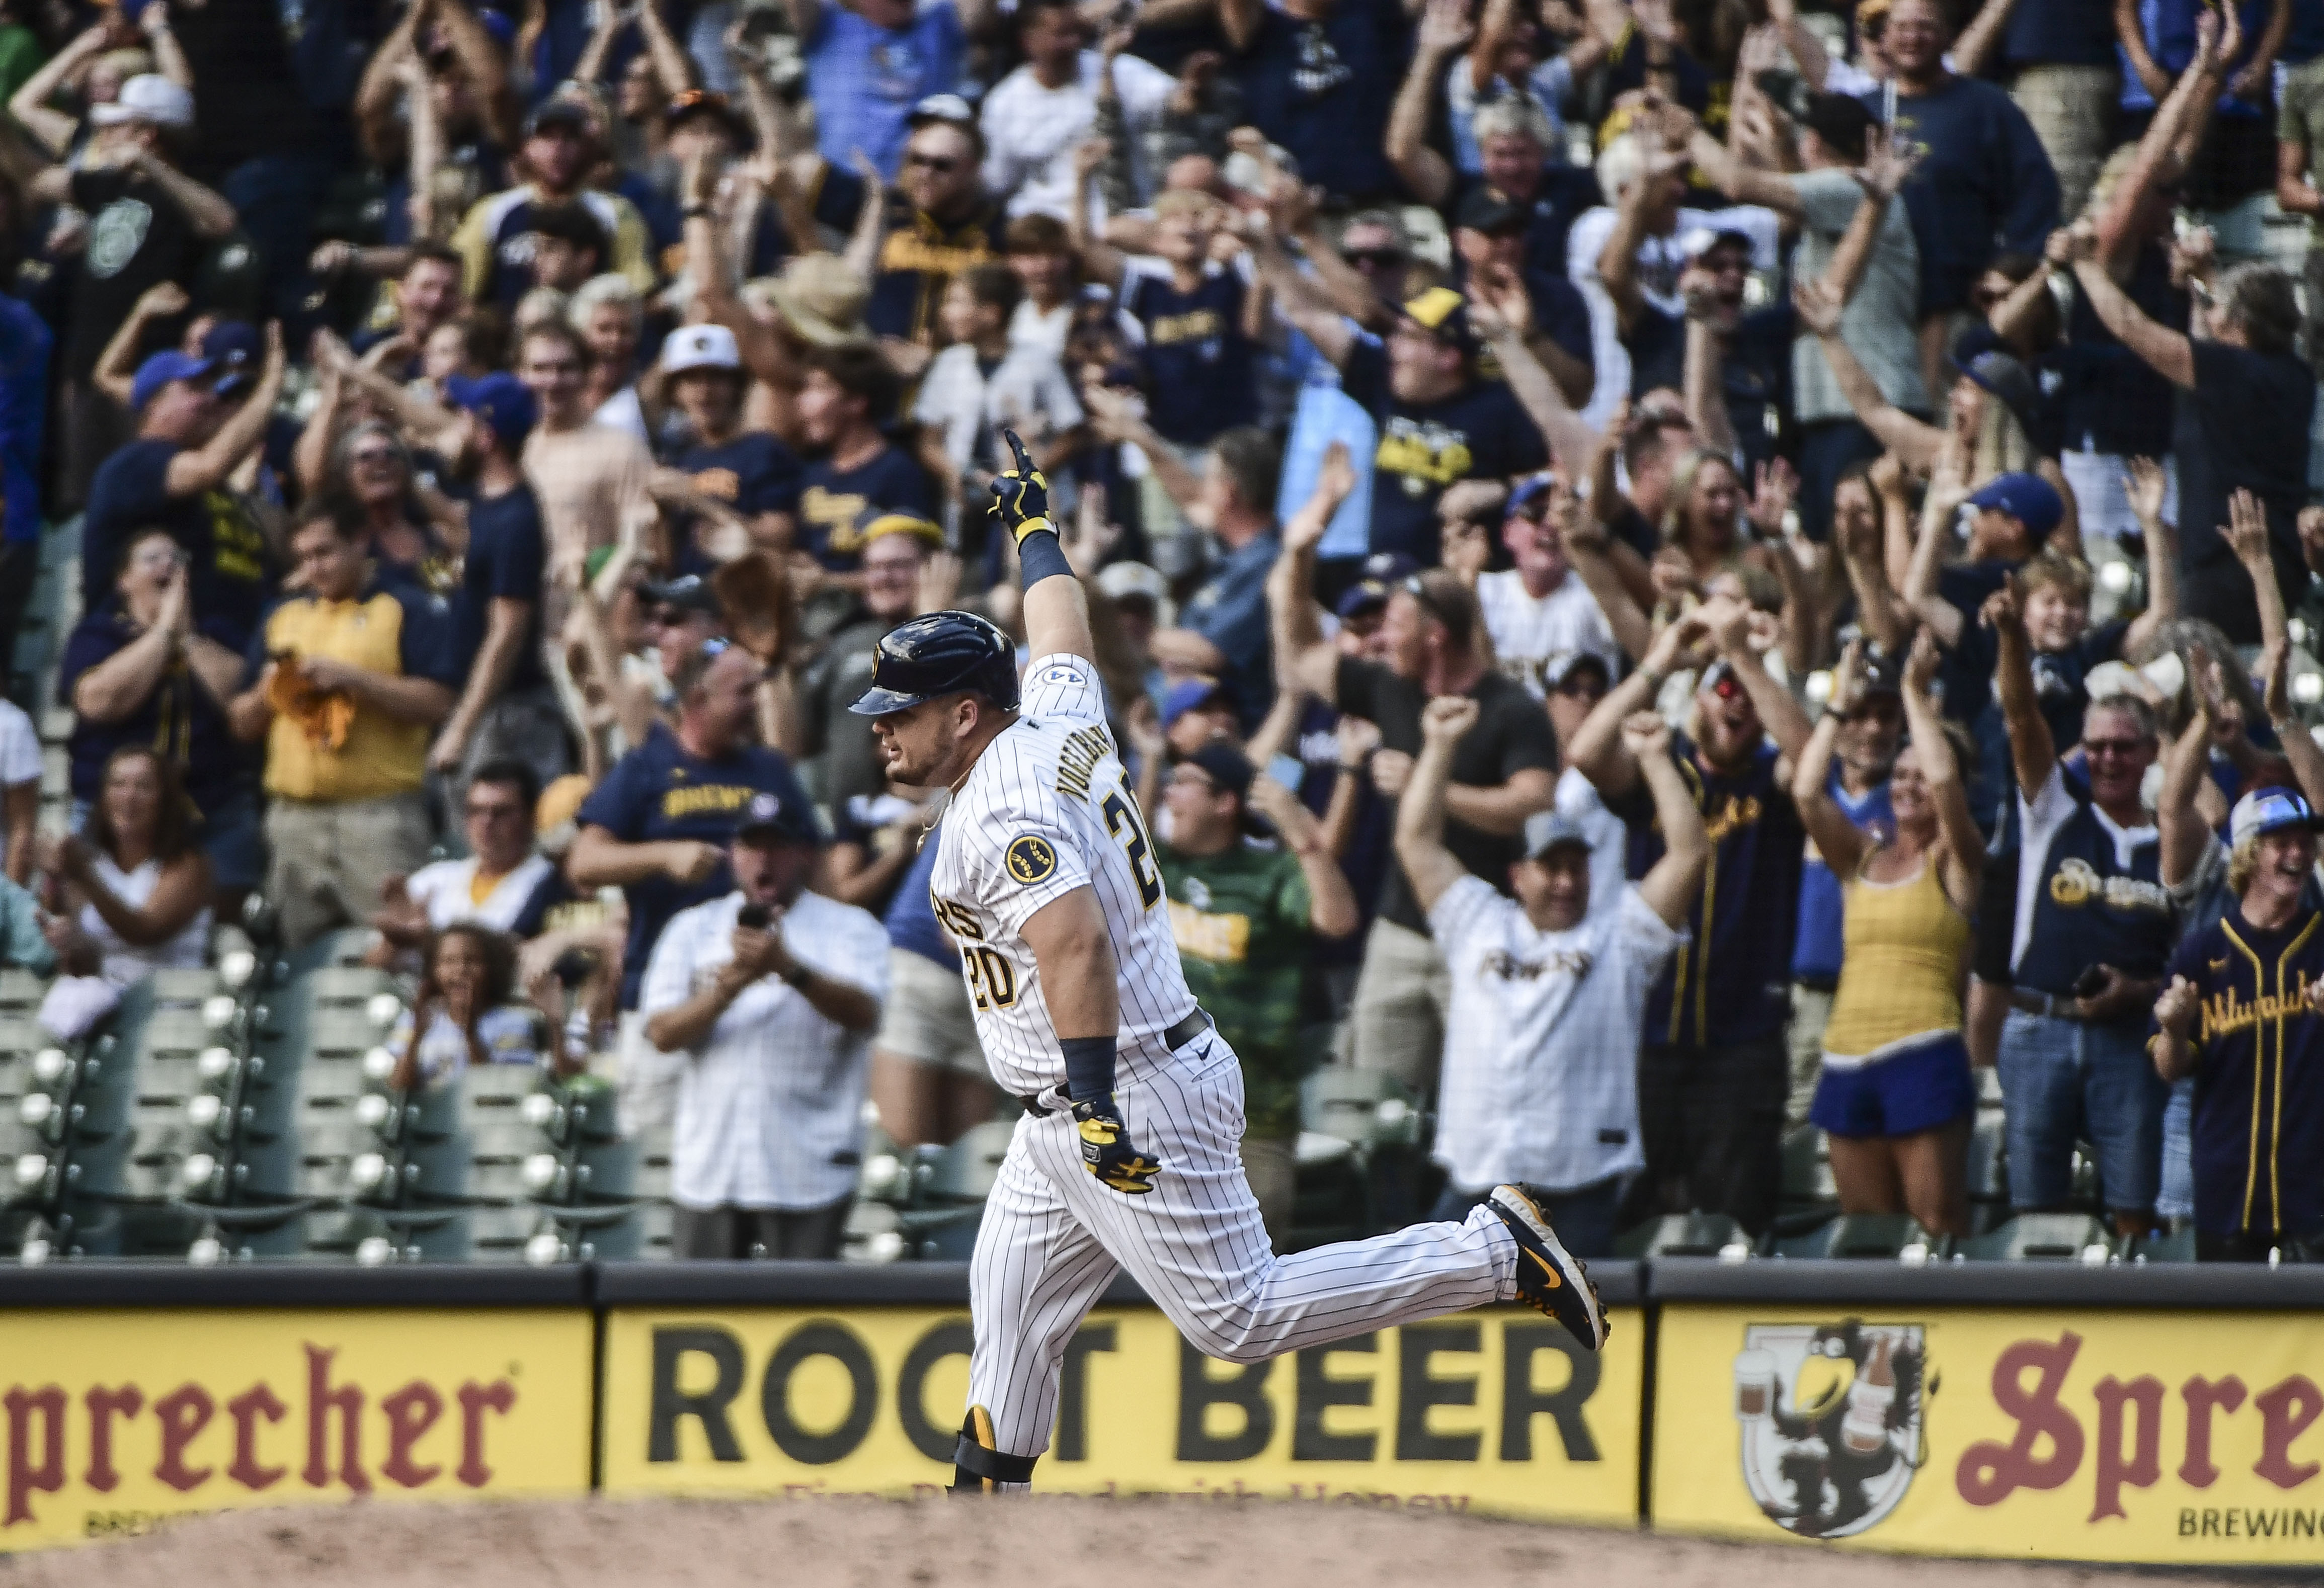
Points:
1020	497
1107	1153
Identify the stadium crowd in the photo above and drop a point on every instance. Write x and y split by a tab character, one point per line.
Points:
1669	570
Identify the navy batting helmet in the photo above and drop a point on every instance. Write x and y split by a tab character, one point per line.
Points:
943	653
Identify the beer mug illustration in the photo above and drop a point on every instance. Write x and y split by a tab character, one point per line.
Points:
1754	1384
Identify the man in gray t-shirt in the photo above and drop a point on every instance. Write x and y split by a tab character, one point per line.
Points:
1881	319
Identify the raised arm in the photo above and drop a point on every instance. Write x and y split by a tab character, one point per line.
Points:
209	215
1309	312
765	352
1883	172
1964	851
1596	750
2178	123
1428	865
1588	548
1743	183
2184	834
1303	659
2169	353
2143	485
1884	616
1779	713
30	104
193	472
1920	597
1502	318
1617	261
1672	884
1840	841
1974	42
1445	33
2032	751
1914	441
116	367
481	63
1101	258
2246	535
1057	608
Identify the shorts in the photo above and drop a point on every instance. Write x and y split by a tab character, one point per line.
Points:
234	844
927	1018
1917	1086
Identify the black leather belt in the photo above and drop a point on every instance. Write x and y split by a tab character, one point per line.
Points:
1176	1038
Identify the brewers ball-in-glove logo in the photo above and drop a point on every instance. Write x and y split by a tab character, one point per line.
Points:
1031	859
1831	1417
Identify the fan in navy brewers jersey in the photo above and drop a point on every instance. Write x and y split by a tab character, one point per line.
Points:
2244	1016
2095	925
1127	1155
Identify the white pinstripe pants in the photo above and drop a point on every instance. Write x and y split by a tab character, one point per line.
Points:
1052	1238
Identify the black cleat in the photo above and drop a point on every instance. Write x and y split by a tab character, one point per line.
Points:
1550	1279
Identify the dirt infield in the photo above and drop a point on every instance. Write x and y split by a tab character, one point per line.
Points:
1043	1543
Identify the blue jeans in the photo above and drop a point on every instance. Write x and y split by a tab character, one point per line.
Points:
2064	1080
1583	1216
2177	1198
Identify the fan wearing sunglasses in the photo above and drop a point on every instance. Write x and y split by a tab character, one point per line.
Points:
1714	1072
2095	928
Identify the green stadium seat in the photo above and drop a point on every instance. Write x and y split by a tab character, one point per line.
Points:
1684	1234
967	1171
874	1234
2040	1238
1877	1236
1362	1107
1807	1168
2165	1246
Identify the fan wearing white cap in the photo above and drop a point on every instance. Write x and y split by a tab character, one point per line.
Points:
2242	1013
725	473
148	221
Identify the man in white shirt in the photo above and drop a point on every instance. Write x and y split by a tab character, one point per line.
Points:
770	995
1541	1053
502	883
1539	613
1039	114
20	776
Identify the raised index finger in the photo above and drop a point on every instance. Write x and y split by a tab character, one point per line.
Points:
1017	448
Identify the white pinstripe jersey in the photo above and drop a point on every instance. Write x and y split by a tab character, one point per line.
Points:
1047	809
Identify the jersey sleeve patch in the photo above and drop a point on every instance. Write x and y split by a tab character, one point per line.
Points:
1031	859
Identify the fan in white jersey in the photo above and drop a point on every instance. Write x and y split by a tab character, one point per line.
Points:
1540	615
1126	1157
1541	1051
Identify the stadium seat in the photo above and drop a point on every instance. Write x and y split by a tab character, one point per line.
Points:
1807	1168
2043	1237
1362	1107
965	1171
2163	1246
1879	1235
1684	1234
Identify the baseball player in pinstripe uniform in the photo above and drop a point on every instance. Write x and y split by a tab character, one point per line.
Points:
1133	1104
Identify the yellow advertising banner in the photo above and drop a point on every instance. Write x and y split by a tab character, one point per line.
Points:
1494	1411
117	1420
2176	1438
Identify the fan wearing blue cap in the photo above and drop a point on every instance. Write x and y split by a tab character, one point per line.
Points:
189	440
507	708
2242	1013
